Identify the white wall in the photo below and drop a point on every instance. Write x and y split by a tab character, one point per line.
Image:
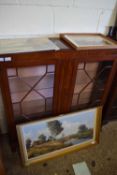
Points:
35	17
39	17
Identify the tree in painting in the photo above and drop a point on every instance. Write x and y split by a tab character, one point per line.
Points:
55	127
42	138
28	143
82	128
51	138
84	132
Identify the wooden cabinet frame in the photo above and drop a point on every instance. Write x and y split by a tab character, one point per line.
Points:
66	62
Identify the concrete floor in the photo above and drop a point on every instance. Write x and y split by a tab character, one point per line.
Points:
101	159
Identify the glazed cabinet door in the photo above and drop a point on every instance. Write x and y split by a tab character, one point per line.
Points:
92	84
29	92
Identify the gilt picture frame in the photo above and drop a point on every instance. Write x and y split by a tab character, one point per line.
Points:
56	136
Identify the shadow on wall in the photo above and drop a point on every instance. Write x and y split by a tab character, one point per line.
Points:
113	28
112	25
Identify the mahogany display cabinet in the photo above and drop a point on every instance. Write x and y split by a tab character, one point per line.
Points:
44	78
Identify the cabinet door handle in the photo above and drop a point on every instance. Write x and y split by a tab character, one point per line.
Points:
8	59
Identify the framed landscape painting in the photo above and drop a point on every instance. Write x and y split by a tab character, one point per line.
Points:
90	41
45	139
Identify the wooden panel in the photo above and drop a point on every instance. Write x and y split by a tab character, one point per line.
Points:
8	104
67	85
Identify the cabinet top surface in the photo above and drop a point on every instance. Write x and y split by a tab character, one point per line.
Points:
75	41
26	45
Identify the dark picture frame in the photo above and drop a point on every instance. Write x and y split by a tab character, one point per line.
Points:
88	41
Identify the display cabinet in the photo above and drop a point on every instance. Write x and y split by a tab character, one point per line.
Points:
45	78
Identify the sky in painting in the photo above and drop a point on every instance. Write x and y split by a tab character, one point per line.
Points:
70	125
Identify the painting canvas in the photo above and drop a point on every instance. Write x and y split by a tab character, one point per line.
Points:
48	138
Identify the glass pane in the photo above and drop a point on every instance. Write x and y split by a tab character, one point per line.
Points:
47	93
49	102
31	90
31	71
16	108
75	99
31	81
17	85
91	69
51	68
11	72
46	82
33	103
90	82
